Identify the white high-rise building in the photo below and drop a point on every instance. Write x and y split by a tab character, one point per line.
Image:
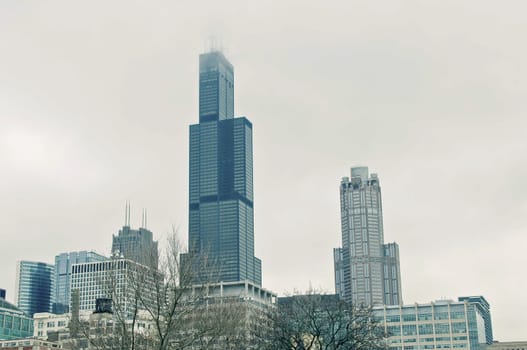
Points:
117	279
366	270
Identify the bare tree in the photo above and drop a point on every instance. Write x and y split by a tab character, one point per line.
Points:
161	309
315	321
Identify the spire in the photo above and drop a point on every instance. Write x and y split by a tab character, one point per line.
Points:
127	214
143	218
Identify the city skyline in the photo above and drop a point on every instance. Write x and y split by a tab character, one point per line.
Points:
95	107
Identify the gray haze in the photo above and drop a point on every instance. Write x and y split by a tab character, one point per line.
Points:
96	98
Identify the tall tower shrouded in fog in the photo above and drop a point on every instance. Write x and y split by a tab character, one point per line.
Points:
216	87
221	217
366	270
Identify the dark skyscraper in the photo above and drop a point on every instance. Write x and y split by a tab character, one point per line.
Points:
137	245
216	87
221	221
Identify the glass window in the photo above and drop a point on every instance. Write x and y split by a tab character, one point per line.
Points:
394	330
393	318
426	329
442	328
409	318
409	329
459	327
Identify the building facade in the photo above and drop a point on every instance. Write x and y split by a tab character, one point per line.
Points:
221	216
366	270
63	263
216	87
444	324
136	245
116	279
29	344
14	323
242	308
34	287
45	322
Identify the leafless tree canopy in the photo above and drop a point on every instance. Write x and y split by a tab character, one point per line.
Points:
160	309
321	322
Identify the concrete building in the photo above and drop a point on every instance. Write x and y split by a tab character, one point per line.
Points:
221	216
116	279
241	307
63	263
445	324
34	287
45	322
366	270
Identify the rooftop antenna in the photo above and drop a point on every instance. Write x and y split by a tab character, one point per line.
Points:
213	44
143	218
127	214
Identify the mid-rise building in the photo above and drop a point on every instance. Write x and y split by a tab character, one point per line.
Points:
14	323
117	279
136	245
241	308
445	324
63	263
221	207
34	287
366	270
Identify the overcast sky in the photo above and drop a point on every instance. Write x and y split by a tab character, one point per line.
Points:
96	99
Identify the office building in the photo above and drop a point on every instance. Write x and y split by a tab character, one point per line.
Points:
481	316
14	323
366	270
221	217
2	293
116	279
34	287
445	324
136	245
63	263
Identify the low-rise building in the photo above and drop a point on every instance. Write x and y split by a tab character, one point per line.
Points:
14	323
45	322
29	344
444	324
508	345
